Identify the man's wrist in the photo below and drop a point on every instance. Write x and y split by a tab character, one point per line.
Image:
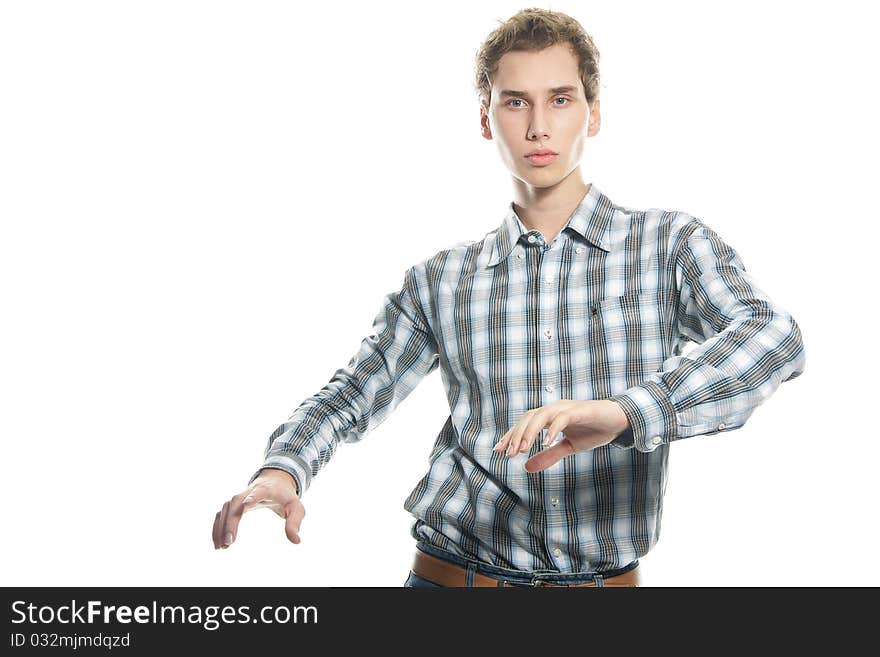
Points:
623	422
285	472
651	414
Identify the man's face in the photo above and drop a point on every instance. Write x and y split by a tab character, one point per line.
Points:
541	118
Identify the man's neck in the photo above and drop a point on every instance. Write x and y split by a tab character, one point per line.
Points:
548	209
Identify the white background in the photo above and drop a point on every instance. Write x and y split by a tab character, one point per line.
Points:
204	203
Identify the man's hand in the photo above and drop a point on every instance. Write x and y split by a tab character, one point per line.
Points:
584	424
274	489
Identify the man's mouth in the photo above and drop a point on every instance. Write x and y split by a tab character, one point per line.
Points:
542	159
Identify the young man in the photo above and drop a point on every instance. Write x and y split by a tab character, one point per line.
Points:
559	335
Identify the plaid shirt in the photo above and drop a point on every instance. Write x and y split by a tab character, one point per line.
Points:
515	323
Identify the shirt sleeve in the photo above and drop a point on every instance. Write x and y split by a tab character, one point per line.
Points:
399	353
747	346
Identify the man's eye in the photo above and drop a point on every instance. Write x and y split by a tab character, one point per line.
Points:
519	100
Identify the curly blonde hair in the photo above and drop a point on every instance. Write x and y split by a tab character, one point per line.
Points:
534	29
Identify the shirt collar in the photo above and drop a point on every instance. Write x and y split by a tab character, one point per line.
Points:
590	219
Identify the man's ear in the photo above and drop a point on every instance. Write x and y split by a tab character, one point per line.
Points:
485	128
595	118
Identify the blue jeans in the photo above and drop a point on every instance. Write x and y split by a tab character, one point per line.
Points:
514	576
416	582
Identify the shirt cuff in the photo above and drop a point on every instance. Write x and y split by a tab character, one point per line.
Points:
652	420
292	465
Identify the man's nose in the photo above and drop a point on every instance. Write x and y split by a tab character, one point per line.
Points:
538	126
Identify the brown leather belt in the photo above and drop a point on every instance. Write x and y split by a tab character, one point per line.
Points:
445	573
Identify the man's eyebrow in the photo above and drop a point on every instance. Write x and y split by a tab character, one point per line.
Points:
555	90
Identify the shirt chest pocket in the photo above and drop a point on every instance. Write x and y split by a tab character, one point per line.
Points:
632	333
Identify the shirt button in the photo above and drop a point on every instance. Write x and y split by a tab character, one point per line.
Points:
520	255
579	250
721	426
548	333
656	440
548	279
549	387
557	552
554	501
532	239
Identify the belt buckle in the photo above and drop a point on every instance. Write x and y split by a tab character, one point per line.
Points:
507	582
537	581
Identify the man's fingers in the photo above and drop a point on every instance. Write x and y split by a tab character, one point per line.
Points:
221	529
552	432
547	457
533	429
521	435
215	533
526	443
227	519
294	513
512	437
502	444
513	443
233	517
